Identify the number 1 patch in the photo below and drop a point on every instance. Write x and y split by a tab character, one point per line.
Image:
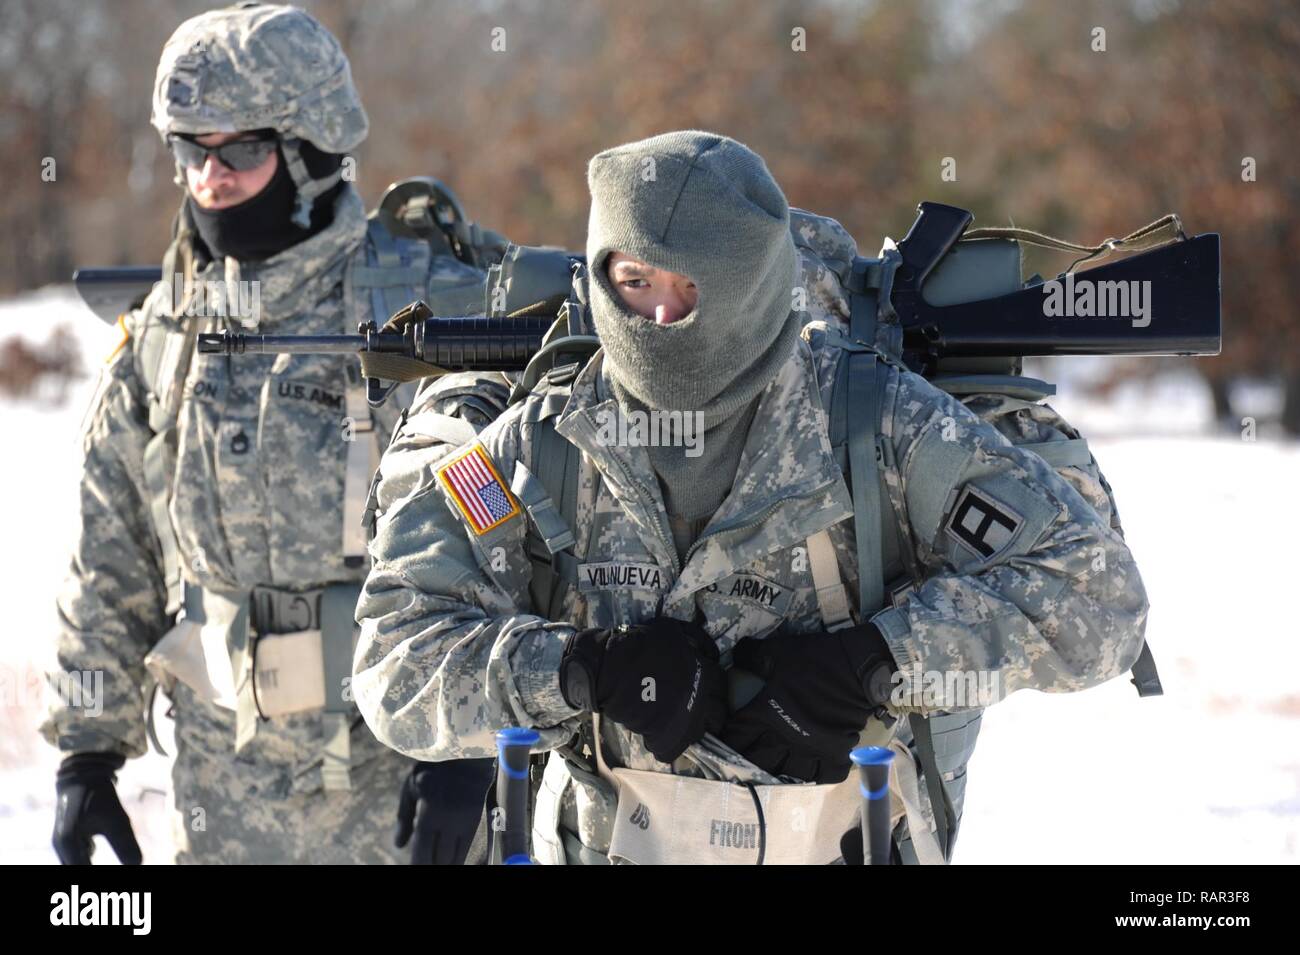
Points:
981	524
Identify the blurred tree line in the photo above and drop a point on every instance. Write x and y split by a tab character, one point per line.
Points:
855	105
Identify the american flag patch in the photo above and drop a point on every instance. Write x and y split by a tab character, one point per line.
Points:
478	490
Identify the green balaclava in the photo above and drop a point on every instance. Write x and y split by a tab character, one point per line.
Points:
702	205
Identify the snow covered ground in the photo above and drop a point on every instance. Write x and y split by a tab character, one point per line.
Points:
1208	773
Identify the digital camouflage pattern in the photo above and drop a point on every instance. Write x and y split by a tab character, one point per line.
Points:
257	500
477	398
452	649
826	253
258	66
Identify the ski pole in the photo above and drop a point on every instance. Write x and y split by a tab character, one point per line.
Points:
873	782
514	746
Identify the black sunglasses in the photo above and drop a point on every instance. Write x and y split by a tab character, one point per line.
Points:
241	156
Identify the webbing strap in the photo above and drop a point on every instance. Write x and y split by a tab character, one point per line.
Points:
446	429
861	417
903	777
338	607
555	462
389	366
554	531
165	380
864	475
362	460
863	424
1073	452
939	799
1145	677
1162	231
336	754
825	569
159	465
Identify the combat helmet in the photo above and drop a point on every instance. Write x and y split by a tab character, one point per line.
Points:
262	66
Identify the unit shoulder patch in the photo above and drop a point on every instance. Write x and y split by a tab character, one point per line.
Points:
981	524
472	482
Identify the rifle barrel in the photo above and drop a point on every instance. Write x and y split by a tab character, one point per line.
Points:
239	343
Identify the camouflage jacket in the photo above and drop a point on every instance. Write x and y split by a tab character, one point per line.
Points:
452	650
256	483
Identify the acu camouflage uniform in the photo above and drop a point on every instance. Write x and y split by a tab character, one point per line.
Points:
453	647
256	478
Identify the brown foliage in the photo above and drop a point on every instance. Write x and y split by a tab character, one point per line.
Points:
1045	131
24	365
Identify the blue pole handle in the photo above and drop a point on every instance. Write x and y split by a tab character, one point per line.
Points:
873	764
514	747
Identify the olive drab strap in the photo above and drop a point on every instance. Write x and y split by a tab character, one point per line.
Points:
1162	231
338	607
159	465
163	355
865	451
945	814
860	388
552	514
362	462
832	598
1145	676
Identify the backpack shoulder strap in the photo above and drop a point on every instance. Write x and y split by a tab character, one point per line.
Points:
547	485
162	355
859	386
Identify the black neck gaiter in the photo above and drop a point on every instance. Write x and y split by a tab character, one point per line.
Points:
260	227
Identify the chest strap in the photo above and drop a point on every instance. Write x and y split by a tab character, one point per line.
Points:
831	596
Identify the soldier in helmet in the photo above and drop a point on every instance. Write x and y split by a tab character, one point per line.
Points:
221	546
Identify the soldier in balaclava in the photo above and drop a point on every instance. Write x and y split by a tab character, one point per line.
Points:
686	563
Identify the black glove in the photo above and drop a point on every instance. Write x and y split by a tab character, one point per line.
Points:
604	670
88	806
441	804
821	688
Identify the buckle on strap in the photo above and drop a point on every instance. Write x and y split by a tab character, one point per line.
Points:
551	526
272	610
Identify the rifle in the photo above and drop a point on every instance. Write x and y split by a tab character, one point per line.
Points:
951	298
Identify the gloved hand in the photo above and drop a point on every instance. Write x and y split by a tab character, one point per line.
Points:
441	804
88	806
604	670
821	688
